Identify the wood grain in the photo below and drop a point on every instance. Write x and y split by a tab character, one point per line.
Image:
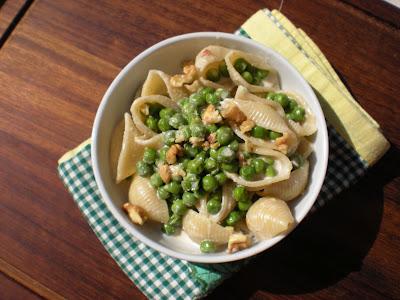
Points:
8	11
56	66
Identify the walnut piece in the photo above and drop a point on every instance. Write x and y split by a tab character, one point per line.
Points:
238	241
173	151
165	173
136	213
188	76
281	142
196	141
211	115
212	138
232	113
246	126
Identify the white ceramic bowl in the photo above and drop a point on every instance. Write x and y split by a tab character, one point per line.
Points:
167	56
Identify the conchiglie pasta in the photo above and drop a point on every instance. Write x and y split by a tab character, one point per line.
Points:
139	103
305	148
142	194
115	147
268	217
269	83
290	188
211	57
199	228
282	166
158	83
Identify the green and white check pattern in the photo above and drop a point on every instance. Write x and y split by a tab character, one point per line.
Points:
159	276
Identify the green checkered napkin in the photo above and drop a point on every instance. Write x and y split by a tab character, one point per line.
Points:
157	275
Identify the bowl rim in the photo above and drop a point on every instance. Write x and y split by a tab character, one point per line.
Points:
130	227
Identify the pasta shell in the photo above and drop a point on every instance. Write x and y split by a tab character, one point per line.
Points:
210	57
142	194
291	188
282	165
227	205
199	228
305	148
270	83
137	115
265	116
268	217
244	94
130	152
115	147
158	83
155	142
309	126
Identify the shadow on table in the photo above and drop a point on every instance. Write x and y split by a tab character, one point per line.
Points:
326	247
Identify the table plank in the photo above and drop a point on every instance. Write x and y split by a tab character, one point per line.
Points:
55	68
9	10
12	290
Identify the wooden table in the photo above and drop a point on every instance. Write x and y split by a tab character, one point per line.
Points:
55	67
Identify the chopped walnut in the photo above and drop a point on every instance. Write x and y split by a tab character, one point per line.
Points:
176	170
165	173
212	138
232	113
174	151
241	159
211	115
136	213
188	76
196	141
281	142
247	125
205	145
214	145
193	87
238	241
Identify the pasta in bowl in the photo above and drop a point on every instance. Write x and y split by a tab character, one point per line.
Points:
213	158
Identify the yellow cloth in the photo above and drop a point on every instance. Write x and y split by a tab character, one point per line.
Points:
359	129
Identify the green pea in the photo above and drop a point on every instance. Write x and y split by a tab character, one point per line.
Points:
298	114
190	183
270	171
240	193
259	165
182	102
247	172
190	151
189	199
297	160
149	155
154	109
221	178
208	246
177	120
211	164
151	122
213	206
292	105
143	169
282	99
173	187
211	128
233	218
259	132
195	166
163	124
212	99
223	70
197	100
168	229
213	75
229	167
178	207
198	130
209	183
199	193
214	153
269	160
221	93
156	181
169	137
162	193
246	155
261	74
226	154
183	134
205	91
184	162
234	145
166	113
273	135
248	77
224	135
240	65
244	205
217	195
189	109
175	220
162	152
202	155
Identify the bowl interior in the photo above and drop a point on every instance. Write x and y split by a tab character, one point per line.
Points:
167	56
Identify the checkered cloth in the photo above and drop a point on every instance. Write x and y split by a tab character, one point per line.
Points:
159	276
